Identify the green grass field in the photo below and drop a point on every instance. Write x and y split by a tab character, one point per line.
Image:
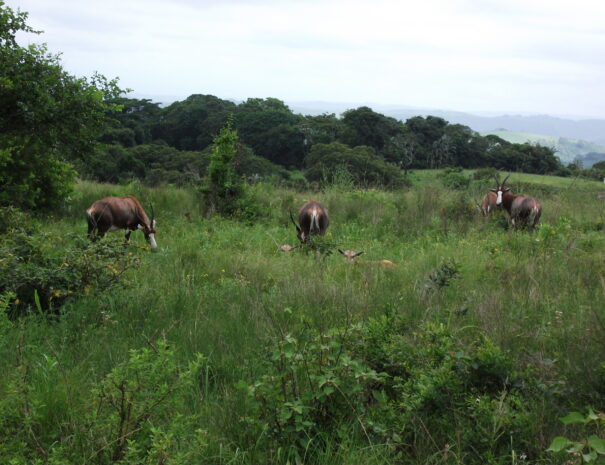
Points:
221	349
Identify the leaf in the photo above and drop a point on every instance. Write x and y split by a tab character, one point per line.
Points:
573	417
37	300
558	444
597	444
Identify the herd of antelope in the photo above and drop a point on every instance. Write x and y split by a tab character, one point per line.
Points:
113	213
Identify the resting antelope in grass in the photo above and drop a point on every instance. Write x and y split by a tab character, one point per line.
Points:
351	255
113	213
523	211
312	219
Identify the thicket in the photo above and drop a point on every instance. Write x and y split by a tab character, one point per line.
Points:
37	275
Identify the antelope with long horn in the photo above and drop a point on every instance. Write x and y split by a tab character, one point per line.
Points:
351	256
524	211
312	219
113	213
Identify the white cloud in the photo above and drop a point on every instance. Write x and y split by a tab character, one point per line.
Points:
509	55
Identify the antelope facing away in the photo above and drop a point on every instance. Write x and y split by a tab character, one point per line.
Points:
312	219
523	211
351	255
113	213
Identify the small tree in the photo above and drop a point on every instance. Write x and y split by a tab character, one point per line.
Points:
224	188
48	118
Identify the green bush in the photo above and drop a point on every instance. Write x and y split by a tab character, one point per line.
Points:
311	389
40	274
439	390
454	178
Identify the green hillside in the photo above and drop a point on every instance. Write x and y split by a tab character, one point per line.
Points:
567	150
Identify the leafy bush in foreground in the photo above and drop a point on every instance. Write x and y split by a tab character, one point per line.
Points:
38	273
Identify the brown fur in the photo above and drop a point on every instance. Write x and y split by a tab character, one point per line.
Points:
488	204
351	255
524	211
306	224
118	213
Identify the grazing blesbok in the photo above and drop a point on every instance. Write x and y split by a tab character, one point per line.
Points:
351	255
312	219
524	211
488	204
113	213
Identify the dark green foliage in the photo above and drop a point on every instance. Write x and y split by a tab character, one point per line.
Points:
311	390
365	168
441	391
224	188
41	276
193	123
454	178
47	116
128	417
442	276
271	130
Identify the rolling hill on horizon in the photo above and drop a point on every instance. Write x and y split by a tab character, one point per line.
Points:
566	149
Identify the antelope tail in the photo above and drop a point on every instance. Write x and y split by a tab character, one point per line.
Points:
314	222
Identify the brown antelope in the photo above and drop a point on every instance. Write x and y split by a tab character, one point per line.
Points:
488	204
351	255
113	213
312	219
287	248
523	211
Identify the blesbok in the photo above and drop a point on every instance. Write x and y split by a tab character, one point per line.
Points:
351	255
523	211
488	204
312	219
113	213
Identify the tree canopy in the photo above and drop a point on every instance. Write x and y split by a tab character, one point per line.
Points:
47	118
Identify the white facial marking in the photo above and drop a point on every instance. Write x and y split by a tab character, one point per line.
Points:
152	241
499	199
140	226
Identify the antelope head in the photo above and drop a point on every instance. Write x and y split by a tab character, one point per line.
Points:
350	254
500	189
149	229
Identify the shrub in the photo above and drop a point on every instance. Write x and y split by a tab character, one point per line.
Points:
439	390
39	274
454	178
310	390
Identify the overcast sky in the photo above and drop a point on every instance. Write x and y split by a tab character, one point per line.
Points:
534	56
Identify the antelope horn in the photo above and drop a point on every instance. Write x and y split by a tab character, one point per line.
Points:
294	222
504	182
497	178
152	216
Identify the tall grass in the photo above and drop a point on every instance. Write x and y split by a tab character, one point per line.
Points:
220	287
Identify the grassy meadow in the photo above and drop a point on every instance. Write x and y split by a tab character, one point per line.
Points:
219	348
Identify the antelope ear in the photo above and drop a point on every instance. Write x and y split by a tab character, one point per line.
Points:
153	224
507	189
140	226
357	254
341	251
493	190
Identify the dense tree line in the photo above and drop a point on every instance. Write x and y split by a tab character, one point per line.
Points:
170	144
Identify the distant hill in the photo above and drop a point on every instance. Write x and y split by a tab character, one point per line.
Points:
567	150
591	130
